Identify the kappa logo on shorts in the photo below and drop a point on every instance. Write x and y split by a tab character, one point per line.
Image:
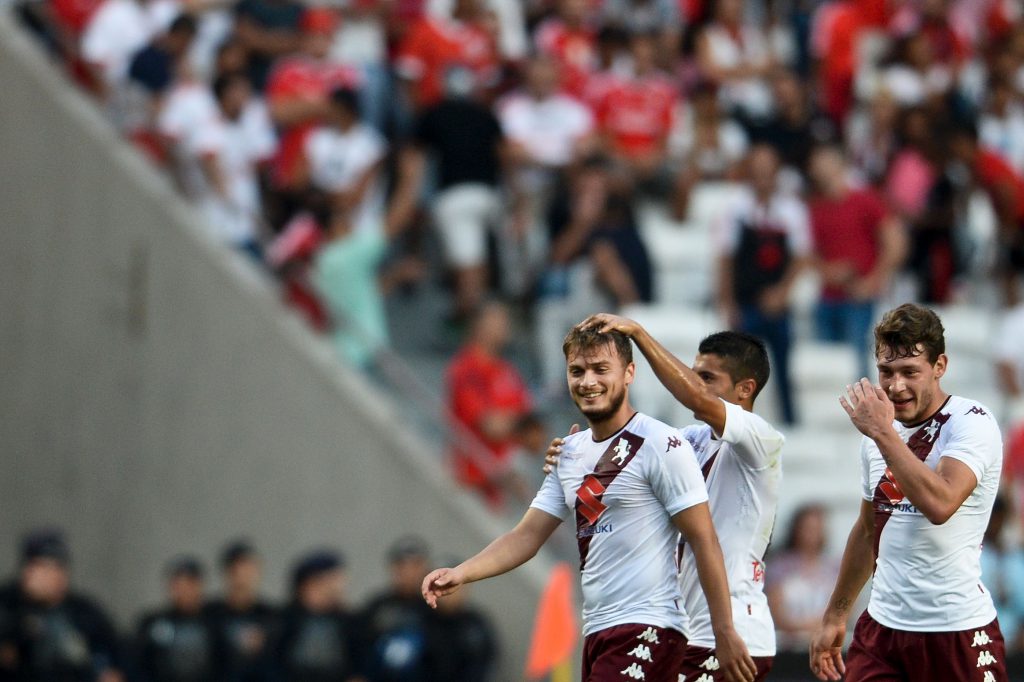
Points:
706	677
711	663
621	451
649	635
989	676
643	652
981	638
985	658
634	671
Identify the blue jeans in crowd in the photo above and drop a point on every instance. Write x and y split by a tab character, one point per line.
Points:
849	322
775	332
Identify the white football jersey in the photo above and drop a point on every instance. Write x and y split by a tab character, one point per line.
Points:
928	577
743	469
623	492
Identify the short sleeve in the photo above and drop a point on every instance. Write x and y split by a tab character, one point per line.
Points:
674	475
550	498
976	441
865	471
757	444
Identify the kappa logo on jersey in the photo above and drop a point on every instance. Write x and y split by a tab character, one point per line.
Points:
711	663
673	442
643	652
981	638
985	658
589	495
634	671
621	452
977	410
891	488
649	635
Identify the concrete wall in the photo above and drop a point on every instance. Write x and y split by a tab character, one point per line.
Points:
156	398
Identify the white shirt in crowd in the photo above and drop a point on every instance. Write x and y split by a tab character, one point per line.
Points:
119	29
784	213
752	48
549	129
928	577
647	474
1005	135
339	159
743	470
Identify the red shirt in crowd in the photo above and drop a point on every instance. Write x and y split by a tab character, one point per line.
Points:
308	79
573	49
435	45
992	173
847	229
478	384
636	114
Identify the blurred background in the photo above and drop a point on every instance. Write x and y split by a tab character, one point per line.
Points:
284	286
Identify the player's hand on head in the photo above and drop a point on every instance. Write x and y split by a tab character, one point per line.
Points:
440	583
606	322
868	407
555	450
734	659
826	651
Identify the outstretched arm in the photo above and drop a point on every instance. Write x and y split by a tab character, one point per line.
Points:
854	571
695	524
682	382
510	550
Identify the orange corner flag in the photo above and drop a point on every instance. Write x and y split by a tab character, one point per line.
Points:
555	629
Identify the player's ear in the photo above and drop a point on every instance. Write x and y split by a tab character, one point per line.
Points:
745	388
630	373
940	365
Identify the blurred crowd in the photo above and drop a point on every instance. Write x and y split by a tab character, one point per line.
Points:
49	631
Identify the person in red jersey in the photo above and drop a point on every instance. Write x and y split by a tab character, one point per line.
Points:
298	93
930	473
571	42
435	44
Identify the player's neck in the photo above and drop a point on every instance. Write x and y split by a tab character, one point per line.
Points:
608	427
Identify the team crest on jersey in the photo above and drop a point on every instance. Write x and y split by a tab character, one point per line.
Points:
930	431
621	451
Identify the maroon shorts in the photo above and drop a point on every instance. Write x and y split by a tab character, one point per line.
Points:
880	654
701	665
633	652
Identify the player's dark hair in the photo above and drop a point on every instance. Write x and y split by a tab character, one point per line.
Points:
744	356
908	331
579	340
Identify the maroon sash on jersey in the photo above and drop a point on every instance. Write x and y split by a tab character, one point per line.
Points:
706	471
589	506
888	492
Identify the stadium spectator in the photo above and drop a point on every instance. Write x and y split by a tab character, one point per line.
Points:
660	18
569	39
736	56
1005	188
396	626
465	645
1002	570
177	642
245	626
707	146
487	396
361	44
764	241
345	158
48	632
636	114
872	136
155	66
801	578
1009	360
435	45
858	245
319	637
116	30
464	137
298	94
269	30
1001	124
